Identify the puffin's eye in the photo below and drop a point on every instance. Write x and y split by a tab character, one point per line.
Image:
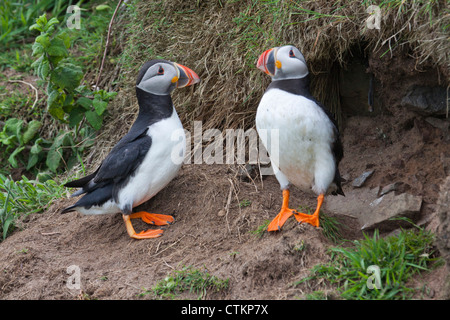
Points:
291	53
160	71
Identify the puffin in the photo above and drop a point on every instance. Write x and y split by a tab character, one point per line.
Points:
300	134
146	159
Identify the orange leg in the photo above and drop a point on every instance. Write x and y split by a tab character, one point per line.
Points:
311	219
283	215
155	219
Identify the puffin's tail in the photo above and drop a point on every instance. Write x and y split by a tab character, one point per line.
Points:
337	182
68	209
338	191
79	183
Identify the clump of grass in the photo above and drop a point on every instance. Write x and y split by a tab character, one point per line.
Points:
18	15
20	198
317	295
397	257
331	228
245	203
188	279
259	232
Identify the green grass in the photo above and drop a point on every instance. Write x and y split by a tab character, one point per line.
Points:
89	40
398	258
245	203
188	279
258	23
17	16
21	198
261	230
316	295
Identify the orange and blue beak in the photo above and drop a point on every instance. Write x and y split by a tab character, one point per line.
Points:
185	77
268	62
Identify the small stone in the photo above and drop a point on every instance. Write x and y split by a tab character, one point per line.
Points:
442	124
247	172
358	182
390	206
426	100
389	188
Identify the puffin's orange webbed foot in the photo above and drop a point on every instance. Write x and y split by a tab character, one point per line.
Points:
153	218
307	218
156	219
285	213
314	218
280	219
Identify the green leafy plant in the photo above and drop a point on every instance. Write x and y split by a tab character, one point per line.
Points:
24	147
188	279
16	135
68	101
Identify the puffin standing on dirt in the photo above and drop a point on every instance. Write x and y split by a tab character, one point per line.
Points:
147	158
300	135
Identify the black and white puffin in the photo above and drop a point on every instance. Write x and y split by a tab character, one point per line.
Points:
147	158
300	135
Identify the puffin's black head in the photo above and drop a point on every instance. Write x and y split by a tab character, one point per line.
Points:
283	63
160	77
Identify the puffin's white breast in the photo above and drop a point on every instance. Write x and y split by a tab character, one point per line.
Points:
160	165
305	134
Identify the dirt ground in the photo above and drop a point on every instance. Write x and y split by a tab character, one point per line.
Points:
212	232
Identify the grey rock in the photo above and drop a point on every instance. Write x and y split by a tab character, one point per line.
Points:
372	211
390	206
389	188
359	182
247	172
426	100
441	124
355	203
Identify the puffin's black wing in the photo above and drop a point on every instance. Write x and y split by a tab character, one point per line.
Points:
120	164
123	160
338	153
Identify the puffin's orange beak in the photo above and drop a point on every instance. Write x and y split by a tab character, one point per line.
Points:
186	76
267	61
